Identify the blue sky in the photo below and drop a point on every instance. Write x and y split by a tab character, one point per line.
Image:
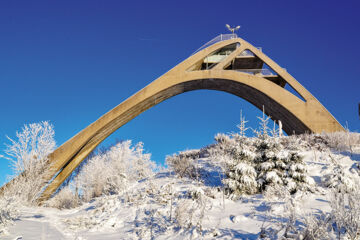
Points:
69	62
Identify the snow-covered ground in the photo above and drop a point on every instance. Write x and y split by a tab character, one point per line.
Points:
169	207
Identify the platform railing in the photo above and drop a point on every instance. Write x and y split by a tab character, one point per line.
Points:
220	38
264	72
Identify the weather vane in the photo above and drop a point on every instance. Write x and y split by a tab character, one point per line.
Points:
232	29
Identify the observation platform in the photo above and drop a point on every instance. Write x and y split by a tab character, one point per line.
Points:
246	61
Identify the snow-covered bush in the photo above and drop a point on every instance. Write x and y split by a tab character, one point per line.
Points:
340	177
342	141
343	222
28	157
149	222
183	163
345	212
338	141
277	192
111	170
8	212
317	227
314	141
64	199
190	212
294	142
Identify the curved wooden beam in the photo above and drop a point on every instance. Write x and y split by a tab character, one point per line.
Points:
297	116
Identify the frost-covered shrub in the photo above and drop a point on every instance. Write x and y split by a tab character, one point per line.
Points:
183	164
342	141
190	213
317	227
183	213
28	157
277	192
294	142
8	212
339	141
111	170
338	177
64	199
345	212
149	222
196	193
314	141
343	222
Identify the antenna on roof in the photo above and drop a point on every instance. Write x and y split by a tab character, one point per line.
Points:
232	29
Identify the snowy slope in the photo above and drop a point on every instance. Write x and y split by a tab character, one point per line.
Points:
168	207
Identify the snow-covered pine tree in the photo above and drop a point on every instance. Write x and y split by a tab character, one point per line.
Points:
237	154
253	164
277	165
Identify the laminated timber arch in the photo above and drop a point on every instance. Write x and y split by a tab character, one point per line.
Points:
297	115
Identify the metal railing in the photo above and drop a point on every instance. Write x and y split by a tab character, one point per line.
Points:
264	72
221	37
246	53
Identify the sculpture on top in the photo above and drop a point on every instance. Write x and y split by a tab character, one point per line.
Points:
232	29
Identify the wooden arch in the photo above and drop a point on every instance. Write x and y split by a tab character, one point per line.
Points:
297	115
